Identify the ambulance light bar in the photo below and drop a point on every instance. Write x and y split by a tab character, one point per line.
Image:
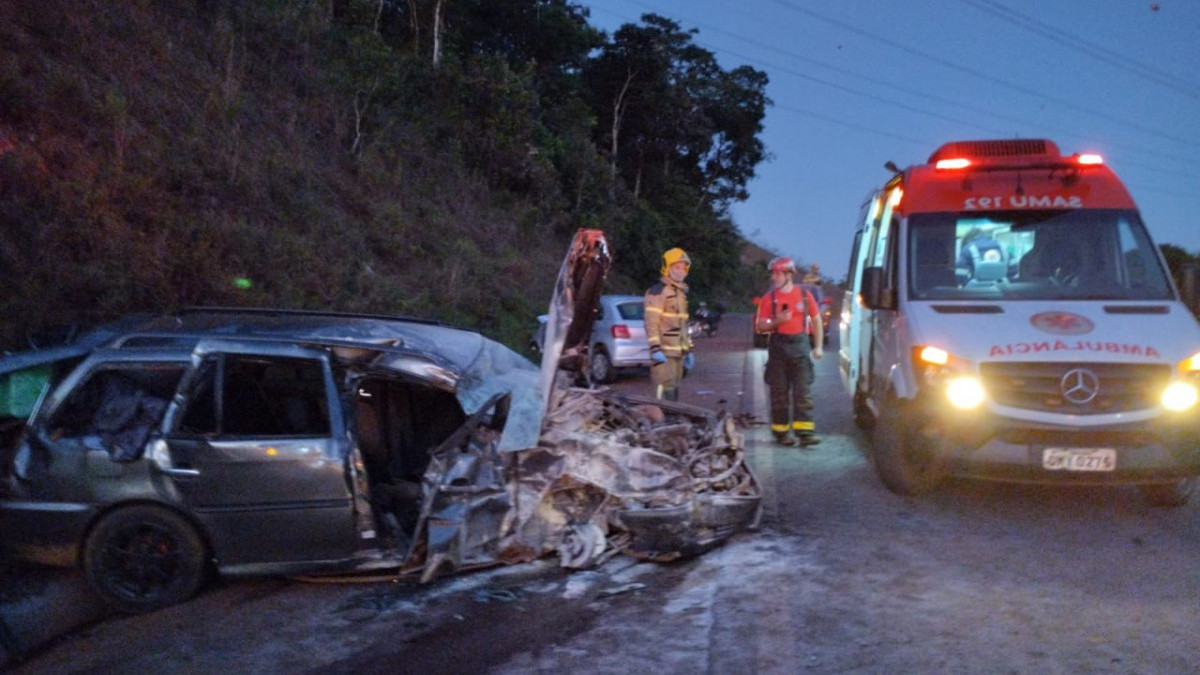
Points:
959	163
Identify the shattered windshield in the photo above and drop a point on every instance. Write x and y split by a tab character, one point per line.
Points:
1096	254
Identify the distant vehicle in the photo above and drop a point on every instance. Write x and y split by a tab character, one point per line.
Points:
826	307
705	320
618	337
825	303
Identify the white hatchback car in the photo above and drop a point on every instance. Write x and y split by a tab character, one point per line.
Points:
618	339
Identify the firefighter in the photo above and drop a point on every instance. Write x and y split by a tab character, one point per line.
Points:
791	315
666	326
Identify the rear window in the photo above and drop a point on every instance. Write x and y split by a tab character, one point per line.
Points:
632	311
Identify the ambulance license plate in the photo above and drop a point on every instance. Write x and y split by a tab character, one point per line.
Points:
1079	459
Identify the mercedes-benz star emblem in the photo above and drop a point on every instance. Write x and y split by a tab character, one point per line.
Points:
1079	386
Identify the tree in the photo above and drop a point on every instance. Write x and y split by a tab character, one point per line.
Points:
670	114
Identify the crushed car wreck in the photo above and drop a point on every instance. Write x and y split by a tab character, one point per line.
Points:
157	450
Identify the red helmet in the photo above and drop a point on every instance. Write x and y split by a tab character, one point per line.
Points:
782	264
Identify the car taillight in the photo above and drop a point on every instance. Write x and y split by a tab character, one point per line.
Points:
620	330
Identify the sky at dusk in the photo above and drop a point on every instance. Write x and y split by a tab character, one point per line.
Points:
858	83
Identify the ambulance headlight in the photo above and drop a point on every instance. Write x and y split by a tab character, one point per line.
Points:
1179	396
965	392
941	371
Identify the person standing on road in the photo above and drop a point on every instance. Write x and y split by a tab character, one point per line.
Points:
666	326
791	316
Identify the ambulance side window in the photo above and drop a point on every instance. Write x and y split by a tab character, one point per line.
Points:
854	255
890	257
879	250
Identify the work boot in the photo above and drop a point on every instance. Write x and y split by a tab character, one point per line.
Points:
809	439
784	439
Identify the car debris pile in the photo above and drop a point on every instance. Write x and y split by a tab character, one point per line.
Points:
650	479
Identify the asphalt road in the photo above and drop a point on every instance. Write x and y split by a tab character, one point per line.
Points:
842	576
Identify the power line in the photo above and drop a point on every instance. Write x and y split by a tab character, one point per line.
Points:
1083	46
984	76
932	97
878	82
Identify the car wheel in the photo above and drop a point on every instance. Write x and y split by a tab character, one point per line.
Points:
1173	494
142	558
905	460
602	368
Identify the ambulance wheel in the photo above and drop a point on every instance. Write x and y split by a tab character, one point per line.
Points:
1171	495
904	460
863	419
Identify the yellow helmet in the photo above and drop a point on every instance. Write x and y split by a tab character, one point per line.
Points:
673	256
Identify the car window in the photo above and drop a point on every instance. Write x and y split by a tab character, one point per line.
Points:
632	311
258	397
117	406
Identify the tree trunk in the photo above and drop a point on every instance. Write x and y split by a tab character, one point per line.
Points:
618	112
437	33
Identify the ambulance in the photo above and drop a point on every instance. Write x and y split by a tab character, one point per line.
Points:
1007	316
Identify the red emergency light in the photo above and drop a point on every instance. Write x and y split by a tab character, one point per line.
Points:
954	163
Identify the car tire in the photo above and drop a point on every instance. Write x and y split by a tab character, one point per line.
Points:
905	460
1170	495
602	367
142	558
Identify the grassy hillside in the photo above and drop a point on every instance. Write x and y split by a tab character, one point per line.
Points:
159	155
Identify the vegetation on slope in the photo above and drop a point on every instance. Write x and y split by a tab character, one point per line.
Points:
423	158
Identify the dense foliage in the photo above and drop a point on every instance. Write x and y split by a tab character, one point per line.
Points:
429	158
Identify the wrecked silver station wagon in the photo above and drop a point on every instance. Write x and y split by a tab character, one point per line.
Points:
157	450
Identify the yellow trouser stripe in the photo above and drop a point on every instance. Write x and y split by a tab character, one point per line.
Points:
803	426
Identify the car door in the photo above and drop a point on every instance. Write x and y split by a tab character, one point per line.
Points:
256	453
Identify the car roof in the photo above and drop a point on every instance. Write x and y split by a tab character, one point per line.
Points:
616	298
473	366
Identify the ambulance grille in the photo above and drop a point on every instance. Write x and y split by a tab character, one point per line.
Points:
1076	388
1004	148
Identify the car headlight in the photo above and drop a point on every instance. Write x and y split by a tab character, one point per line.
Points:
941	371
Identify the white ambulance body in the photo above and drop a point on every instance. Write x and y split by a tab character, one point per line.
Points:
1053	349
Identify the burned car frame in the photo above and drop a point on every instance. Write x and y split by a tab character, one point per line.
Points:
263	442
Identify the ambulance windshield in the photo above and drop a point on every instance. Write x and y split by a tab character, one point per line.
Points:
1100	254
